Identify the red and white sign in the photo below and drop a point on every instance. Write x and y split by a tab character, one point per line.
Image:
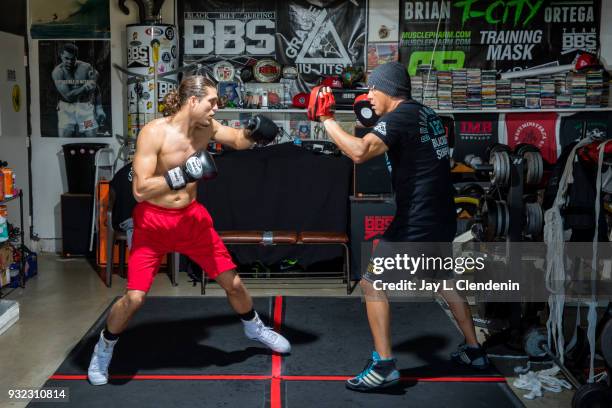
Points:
538	129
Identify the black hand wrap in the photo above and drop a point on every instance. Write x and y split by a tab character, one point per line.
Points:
263	130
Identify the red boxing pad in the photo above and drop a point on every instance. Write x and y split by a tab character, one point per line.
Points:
325	105
312	103
320	104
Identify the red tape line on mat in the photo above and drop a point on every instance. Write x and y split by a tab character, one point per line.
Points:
403	379
166	377
275	383
267	377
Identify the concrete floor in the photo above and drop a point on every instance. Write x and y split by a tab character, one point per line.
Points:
63	301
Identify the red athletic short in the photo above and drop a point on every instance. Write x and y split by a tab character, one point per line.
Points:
188	230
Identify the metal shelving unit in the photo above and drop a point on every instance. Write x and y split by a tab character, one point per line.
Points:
19	196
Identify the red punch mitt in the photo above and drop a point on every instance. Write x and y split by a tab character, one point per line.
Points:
320	104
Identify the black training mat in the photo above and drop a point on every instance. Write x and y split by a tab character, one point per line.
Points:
166	394
185	352
332	337
179	335
333	394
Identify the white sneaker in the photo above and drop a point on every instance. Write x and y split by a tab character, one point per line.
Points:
255	330
100	360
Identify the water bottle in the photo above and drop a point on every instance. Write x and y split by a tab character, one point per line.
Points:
4	235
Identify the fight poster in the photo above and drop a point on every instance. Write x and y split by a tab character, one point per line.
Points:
500	35
70	19
75	96
312	36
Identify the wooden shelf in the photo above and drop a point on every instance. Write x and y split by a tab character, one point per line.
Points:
569	110
14	197
279	111
440	111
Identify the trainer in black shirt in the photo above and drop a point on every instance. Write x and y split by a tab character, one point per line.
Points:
413	137
418	150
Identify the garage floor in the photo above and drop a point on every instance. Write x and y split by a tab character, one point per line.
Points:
60	305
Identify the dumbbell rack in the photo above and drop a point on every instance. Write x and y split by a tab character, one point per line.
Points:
519	334
515	219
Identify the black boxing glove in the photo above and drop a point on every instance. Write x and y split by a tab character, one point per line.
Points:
199	165
263	130
364	112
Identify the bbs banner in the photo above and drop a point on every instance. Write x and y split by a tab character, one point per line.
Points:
312	36
501	35
227	29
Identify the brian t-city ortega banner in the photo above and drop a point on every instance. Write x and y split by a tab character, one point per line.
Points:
501	35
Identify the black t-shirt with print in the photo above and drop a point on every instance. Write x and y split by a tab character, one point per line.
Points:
121	184
419	155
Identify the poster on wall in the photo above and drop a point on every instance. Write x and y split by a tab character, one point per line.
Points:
500	35
381	53
311	36
70	19
75	95
383	20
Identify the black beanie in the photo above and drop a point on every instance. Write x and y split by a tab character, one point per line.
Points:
391	78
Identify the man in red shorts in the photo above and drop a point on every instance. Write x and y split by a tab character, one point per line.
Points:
170	158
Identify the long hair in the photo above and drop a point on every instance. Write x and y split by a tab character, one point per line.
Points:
194	85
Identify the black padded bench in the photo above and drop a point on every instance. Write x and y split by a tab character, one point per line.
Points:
290	238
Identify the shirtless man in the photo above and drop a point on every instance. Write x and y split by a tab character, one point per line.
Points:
79	110
170	157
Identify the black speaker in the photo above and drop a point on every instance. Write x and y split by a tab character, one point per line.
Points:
76	223
373	176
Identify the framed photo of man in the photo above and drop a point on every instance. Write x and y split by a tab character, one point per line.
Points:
75	95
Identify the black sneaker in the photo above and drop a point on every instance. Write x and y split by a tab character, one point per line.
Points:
378	374
471	356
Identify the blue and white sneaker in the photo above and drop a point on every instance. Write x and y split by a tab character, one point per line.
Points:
378	374
475	357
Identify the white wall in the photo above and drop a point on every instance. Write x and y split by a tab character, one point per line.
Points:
13	125
49	179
